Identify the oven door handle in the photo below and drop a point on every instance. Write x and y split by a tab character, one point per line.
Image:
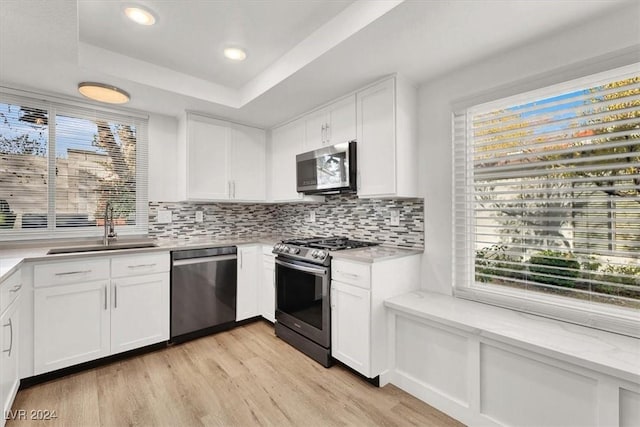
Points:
320	271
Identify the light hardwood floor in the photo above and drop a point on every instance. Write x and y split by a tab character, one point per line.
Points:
243	377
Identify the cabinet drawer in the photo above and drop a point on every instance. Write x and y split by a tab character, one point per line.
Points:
126	266
9	290
352	273
60	273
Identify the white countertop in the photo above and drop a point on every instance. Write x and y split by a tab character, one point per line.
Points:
614	354
375	253
10	259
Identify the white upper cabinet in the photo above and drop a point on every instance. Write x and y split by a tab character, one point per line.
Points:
219	160
208	160
387	143
331	125
248	161
287	141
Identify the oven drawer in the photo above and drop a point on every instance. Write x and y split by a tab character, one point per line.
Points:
353	273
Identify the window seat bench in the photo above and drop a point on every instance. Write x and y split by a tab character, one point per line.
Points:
486	365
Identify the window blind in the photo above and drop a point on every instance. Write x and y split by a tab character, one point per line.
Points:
61	163
547	201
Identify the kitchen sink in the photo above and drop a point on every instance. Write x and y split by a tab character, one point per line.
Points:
125	244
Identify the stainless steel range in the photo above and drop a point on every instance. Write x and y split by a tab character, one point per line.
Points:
303	282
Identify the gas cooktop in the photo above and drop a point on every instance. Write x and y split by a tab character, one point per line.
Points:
316	249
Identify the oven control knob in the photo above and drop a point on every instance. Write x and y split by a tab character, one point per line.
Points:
294	250
321	254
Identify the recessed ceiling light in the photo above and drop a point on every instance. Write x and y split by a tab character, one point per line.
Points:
235	53
140	15
103	93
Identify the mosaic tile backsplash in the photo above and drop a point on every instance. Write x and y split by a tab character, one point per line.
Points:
339	215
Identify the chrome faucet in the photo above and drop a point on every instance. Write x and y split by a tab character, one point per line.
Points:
109	228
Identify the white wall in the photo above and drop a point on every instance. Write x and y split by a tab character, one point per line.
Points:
607	42
163	140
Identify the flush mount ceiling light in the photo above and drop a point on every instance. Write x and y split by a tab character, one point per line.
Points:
140	15
235	53
103	93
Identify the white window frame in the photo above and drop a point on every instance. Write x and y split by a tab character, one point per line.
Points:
600	316
83	110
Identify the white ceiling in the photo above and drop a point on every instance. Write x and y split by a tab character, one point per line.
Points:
189	37
301	53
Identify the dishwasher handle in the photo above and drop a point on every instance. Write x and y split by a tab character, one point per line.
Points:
189	261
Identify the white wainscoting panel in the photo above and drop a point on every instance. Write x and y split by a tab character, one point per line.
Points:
434	357
517	390
481	366
629	408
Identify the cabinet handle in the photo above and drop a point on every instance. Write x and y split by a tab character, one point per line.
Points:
115	296
142	265
105	298
16	288
323	133
10	325
68	273
233	185
355	276
328	132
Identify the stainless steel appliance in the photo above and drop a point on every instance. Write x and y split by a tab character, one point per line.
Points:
203	291
327	170
303	281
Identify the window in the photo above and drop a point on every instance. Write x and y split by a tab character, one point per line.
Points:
60	164
547	201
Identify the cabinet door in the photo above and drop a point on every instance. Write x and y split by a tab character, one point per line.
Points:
268	289
9	376
350	326
139	311
208	160
376	140
248	282
248	164
287	141
71	325
315	130
342	121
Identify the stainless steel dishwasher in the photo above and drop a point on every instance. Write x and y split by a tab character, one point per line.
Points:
203	291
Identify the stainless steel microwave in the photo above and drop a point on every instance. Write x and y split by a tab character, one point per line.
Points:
327	170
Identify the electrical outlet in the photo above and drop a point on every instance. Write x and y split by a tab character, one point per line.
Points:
394	217
311	216
164	216
199	216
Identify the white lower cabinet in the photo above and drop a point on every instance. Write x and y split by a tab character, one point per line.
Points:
9	360
71	325
249	258
350	325
77	320
267	295
140	311
358	316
